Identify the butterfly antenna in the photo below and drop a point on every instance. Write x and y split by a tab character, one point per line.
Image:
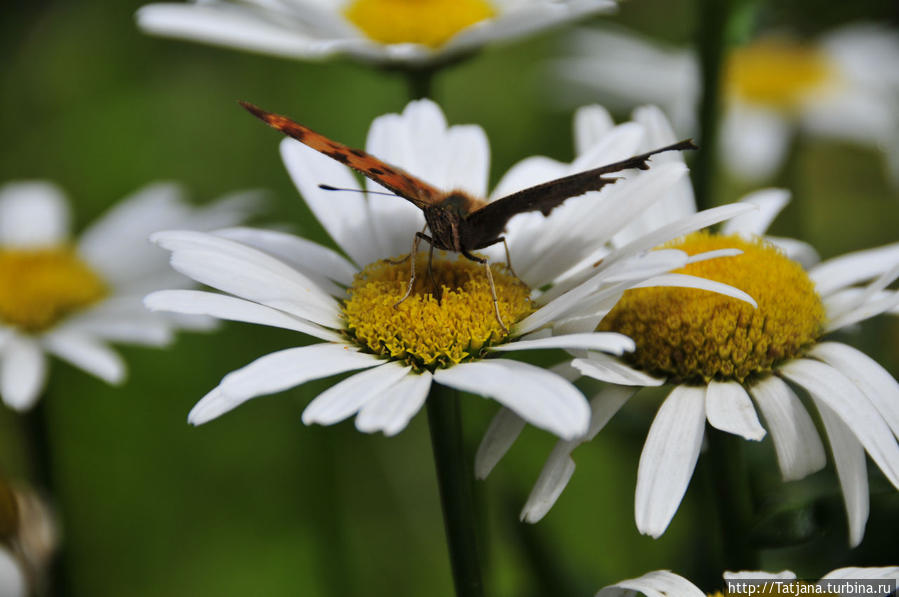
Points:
327	187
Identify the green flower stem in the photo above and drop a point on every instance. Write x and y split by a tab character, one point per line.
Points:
420	82
730	483
713	26
454	479
37	431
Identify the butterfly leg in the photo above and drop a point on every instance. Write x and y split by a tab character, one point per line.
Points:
499	318
418	238
502	239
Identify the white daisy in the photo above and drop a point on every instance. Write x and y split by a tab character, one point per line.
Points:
663	583
385	31
70	298
718	353
354	305
844	85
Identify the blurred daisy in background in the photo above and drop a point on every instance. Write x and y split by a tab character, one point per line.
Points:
664	582
29	536
718	352
409	32
356	306
70	298
843	85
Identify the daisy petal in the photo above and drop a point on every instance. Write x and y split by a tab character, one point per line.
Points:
33	213
198	302
541	398
770	202
831	387
729	409
688	281
392	411
796	441
668	458
504	429
753	141
849	460
884	572
552	481
866	373
591	123
660	583
344	399
610	342
23	372
12	577
797	250
86	353
611	370
275	372
852	268
758	575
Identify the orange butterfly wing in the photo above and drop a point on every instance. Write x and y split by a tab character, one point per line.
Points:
396	179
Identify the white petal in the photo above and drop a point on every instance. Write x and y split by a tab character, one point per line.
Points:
33	213
23	372
866	373
86	353
660	583
198	302
504	429
729	409
12	577
552	481
870	306
611	370
883	572
345	398
797	250
753	141
849	460
275	372
831	387
770	203
392	411
541	398
591	123
345	216
303	254
668	458
796	441
688	281
757	575
610	342
853	268
248	273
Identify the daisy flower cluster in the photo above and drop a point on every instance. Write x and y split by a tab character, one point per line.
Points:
843	85
724	359
401	32
356	306
71	298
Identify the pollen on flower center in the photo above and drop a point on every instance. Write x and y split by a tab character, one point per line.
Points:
38	287
776	72
423	330
428	22
691	335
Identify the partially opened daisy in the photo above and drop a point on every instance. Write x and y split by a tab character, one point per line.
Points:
402	344
720	356
880	581
69	298
410	32
843	85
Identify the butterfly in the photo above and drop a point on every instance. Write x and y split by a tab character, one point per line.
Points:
458	221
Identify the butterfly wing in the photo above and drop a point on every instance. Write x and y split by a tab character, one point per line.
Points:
396	179
490	219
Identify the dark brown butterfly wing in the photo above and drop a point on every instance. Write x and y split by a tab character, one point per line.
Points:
488	222
391	177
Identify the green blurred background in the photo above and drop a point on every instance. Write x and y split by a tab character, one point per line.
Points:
255	503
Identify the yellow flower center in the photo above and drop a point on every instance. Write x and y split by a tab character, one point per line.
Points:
428	22
694	336
424	331
776	72
38	287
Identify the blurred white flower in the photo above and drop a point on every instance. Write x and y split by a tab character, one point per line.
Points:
354	305
661	583
413	32
719	352
844	85
70	298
